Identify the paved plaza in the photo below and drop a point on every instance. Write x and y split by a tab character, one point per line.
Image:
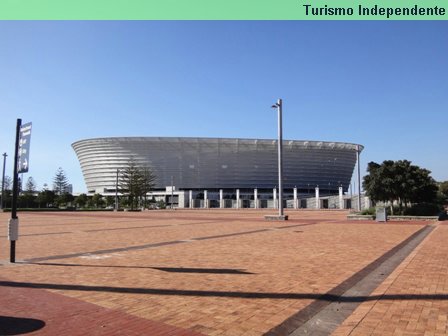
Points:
222	272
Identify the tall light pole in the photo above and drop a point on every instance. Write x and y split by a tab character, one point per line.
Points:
3	180
358	152
278	106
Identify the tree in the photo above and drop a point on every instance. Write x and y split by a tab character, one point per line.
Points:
97	200
148	182
30	186
7	202
7	183
443	189
81	200
7	192
401	182
135	182
64	199
46	198
28	196
60	182
110	201
129	182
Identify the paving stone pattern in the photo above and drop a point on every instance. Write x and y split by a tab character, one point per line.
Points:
413	300
209	272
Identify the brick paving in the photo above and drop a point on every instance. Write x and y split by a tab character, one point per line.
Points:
413	300
56	314
211	272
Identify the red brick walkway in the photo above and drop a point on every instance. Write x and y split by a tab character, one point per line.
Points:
62	315
225	273
413	300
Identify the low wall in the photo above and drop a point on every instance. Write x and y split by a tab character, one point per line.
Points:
393	218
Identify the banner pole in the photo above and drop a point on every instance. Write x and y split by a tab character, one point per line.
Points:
14	222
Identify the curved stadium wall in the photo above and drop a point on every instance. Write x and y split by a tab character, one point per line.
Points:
219	163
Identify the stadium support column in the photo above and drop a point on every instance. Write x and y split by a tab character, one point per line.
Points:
317	198
237	198
295	198
221	199
116	191
205	199
341	199
256	198
190	199
274	192
172	193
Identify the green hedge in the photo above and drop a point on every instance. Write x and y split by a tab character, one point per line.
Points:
56	210
423	209
369	211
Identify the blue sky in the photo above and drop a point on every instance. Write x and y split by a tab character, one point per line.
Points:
380	84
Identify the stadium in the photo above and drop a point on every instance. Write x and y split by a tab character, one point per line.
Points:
211	172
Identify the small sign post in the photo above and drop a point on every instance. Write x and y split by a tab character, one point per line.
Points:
381	215
21	165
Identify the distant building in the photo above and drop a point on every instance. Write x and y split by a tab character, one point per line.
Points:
226	167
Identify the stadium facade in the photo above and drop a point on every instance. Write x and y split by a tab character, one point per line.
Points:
220	168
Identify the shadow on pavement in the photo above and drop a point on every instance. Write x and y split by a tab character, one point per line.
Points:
329	297
18	325
164	269
201	270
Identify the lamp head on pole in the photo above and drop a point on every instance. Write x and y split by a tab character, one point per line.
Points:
277	104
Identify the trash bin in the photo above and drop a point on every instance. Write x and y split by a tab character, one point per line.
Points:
381	215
